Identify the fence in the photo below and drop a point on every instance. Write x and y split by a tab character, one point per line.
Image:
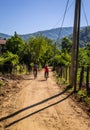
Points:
83	77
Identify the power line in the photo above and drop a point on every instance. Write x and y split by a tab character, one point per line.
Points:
67	8
63	19
84	13
58	21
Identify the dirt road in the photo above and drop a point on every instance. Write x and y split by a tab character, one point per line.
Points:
42	105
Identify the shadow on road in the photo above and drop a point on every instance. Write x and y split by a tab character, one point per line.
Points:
28	78
33	105
42	80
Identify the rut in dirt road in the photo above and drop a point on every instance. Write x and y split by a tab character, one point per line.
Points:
42	105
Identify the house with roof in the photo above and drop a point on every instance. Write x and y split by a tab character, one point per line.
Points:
2	45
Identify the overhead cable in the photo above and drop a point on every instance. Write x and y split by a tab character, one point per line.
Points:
84	13
63	19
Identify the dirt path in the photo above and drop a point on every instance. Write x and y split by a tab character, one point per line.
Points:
41	105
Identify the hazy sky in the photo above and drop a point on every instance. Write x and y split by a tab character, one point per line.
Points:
28	16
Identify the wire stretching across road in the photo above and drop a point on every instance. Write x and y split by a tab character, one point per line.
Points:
58	22
84	13
63	19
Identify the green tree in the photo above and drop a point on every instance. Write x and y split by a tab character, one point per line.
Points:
66	44
40	49
83	57
15	44
7	60
25	55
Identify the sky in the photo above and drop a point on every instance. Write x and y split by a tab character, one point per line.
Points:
29	16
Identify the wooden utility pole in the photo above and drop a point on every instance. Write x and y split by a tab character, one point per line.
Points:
75	45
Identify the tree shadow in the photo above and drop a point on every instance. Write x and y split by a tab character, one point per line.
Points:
33	105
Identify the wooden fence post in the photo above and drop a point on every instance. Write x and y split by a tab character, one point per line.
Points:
87	81
81	77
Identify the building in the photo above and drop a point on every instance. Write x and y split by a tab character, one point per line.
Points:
2	45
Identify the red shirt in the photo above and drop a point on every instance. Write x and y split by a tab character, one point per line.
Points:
46	69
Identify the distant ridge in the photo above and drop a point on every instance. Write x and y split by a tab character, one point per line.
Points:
56	33
4	36
52	33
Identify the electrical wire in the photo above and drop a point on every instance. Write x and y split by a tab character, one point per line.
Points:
58	21
84	13
62	15
68	6
63	19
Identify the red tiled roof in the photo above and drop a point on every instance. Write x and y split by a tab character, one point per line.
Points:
2	42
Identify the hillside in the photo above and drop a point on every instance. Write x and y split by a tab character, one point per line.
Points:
4	36
84	36
52	33
57	33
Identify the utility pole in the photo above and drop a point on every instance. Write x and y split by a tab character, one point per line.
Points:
75	45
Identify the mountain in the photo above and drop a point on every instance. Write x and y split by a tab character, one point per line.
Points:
52	33
84	36
57	33
4	36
